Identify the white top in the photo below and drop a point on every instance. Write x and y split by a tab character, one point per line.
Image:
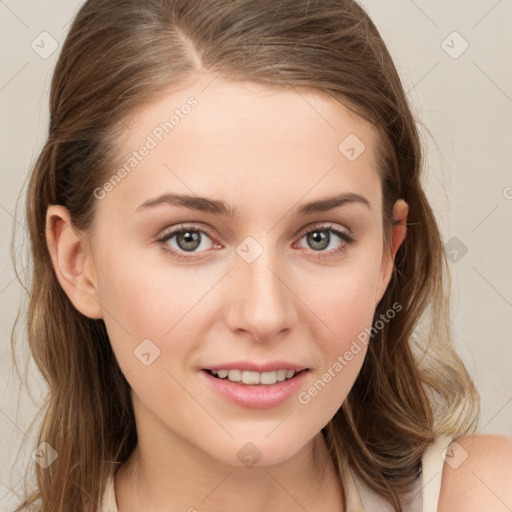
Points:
359	497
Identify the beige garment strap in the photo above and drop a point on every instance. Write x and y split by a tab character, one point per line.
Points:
432	467
432	470
109	503
353	501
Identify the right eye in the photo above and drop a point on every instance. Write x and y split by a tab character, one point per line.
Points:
188	239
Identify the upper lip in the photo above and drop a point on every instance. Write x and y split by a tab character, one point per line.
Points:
258	367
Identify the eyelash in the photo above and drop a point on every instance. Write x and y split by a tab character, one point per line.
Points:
347	240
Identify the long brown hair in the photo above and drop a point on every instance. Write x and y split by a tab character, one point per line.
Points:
118	55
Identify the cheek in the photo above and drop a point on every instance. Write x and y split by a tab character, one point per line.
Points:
343	296
141	294
343	301
150	324
155	302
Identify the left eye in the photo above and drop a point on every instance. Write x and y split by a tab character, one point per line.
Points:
320	238
190	238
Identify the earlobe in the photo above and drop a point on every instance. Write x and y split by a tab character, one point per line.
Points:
399	232
71	262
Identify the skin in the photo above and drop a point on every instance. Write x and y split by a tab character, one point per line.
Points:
241	144
482	481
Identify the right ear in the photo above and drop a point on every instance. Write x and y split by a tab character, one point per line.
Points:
72	262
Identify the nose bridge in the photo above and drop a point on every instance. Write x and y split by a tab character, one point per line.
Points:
261	301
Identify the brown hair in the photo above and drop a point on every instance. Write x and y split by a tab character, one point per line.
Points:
120	54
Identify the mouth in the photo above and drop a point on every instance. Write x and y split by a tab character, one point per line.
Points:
251	389
252	378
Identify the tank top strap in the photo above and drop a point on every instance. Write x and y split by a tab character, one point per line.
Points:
432	471
424	498
353	501
109	497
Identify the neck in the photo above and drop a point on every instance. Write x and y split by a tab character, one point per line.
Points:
184	478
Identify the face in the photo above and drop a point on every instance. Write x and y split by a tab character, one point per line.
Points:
264	282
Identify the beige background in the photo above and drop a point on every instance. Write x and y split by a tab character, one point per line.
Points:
463	98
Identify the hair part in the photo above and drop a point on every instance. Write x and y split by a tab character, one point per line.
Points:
120	55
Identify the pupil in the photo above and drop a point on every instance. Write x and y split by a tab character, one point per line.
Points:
319	237
189	237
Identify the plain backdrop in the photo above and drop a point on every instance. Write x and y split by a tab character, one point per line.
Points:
454	59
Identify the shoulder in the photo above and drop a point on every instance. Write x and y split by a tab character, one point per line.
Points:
477	475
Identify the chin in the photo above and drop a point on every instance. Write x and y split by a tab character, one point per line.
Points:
261	451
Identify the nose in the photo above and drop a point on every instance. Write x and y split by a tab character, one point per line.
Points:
261	297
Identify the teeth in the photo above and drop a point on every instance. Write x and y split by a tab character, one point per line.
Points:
234	375
254	378
250	377
281	375
269	377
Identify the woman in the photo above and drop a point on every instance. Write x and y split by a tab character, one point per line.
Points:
239	296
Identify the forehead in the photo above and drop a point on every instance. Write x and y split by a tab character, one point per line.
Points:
260	111
246	141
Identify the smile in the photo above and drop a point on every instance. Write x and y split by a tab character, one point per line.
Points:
253	378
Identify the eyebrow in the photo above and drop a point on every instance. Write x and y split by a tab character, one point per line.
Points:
219	207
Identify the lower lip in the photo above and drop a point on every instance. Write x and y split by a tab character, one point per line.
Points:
263	396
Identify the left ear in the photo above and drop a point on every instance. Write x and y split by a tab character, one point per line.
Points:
399	231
